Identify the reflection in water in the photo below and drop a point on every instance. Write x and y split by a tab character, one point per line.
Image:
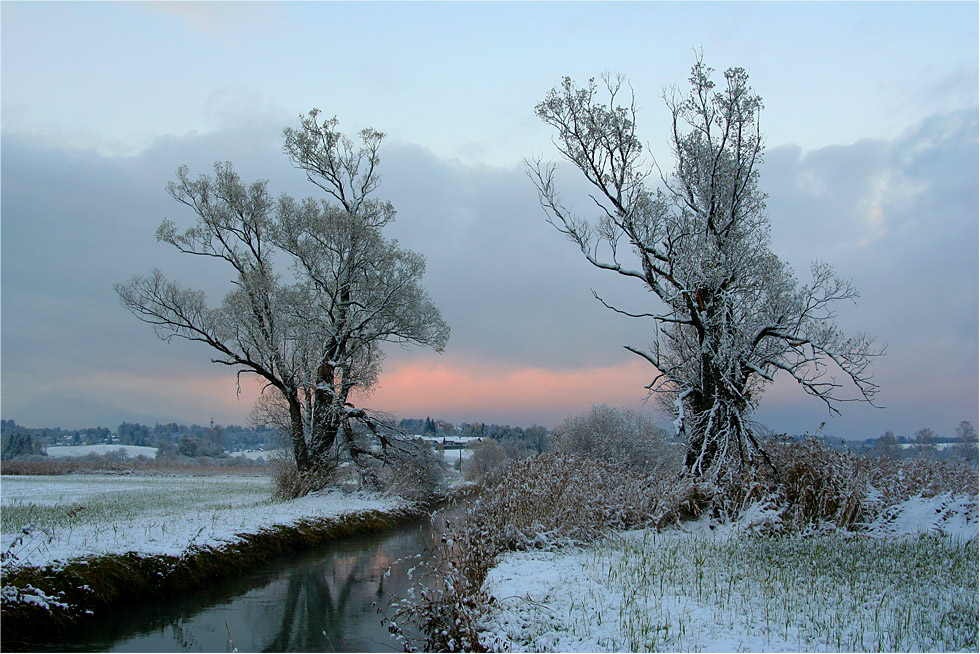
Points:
317	601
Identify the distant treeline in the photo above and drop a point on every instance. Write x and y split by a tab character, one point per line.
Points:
185	440
924	444
212	441
216	440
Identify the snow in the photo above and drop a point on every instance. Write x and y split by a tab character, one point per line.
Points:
255	455
947	514
717	588
111	514
935	446
129	451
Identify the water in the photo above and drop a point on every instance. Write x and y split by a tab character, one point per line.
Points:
318	601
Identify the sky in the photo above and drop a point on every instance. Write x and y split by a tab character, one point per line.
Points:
871	125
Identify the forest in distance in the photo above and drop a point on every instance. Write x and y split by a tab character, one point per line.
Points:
218	440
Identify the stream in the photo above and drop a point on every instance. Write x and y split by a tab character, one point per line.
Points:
318	601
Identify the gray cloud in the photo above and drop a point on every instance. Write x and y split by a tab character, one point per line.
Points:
898	217
512	288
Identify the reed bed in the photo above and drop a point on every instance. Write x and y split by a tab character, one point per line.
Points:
801	560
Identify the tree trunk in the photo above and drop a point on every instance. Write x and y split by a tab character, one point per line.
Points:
324	427
297	433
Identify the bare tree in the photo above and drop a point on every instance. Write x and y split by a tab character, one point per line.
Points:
732	316
246	331
966	432
314	340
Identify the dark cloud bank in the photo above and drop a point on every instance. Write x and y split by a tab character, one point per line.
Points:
898	217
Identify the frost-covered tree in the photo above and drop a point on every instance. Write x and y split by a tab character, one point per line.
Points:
488	455
966	446
367	290
314	336
730	315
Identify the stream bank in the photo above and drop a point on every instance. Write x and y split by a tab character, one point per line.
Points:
41	604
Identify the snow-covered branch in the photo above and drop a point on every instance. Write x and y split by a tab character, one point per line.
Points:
732	316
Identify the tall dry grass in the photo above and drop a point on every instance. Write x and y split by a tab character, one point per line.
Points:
542	501
554	499
815	487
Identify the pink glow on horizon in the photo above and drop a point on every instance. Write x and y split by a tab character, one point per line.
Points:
471	391
455	390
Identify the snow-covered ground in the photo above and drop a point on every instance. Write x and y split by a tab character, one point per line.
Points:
129	451
78	515
255	455
723	589
935	446
453	457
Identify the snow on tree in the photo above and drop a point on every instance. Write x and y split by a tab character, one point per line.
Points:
313	337
731	314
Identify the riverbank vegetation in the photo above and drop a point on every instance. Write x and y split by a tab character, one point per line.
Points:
822	499
73	546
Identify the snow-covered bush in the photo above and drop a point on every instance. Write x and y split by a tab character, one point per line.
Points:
555	498
291	483
816	487
488	455
417	474
619	436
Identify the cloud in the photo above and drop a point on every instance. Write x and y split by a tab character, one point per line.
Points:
510	286
529	342
899	218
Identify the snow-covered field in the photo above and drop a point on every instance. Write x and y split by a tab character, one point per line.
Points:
255	455
129	451
935	446
78	515
909	583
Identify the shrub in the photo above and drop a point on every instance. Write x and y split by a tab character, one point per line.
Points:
488	455
557	498
416	473
515	449
541	501
290	483
619	436
816	487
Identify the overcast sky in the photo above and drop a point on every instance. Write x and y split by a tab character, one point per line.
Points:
871	165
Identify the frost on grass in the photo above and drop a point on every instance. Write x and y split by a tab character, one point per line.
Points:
31	595
501	581
717	591
108	514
